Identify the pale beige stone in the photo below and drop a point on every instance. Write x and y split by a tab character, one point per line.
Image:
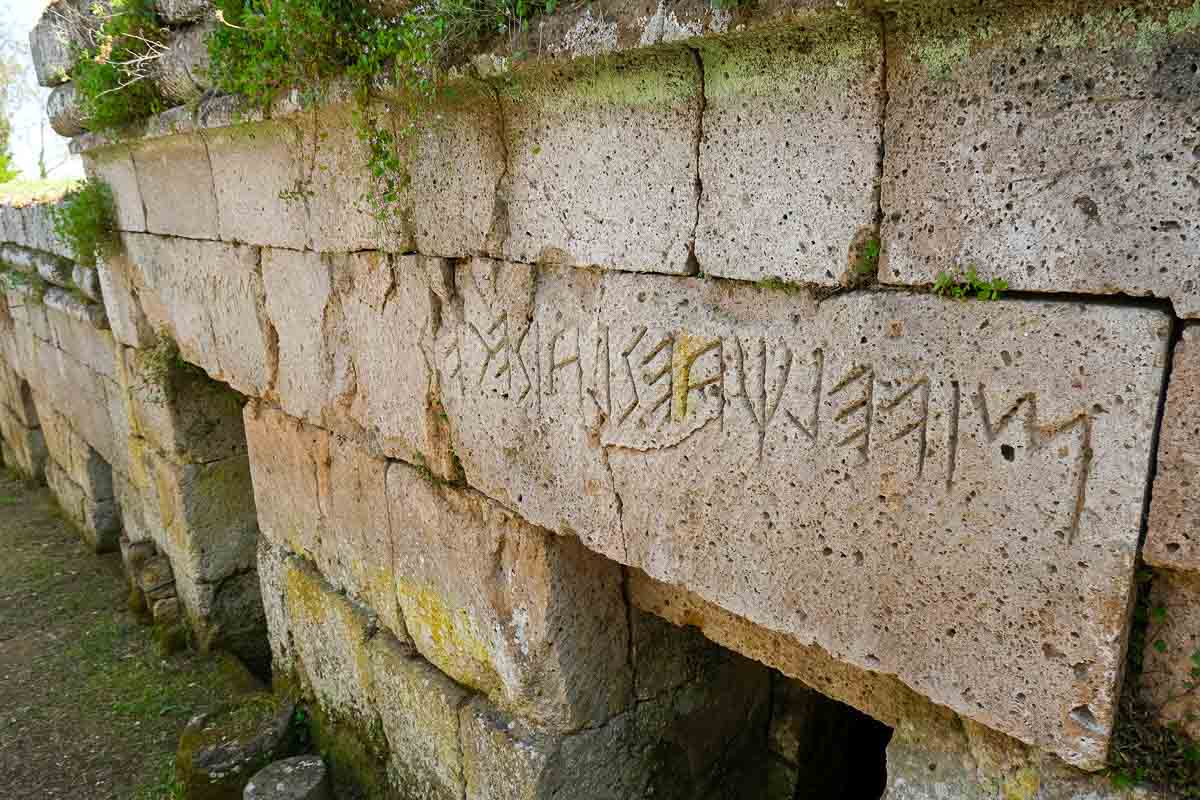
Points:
181	72
258	179
114	166
336	369
99	521
174	174
79	394
515	354
339	184
1169	667
1042	144
24	448
790	154
459	160
209	297
287	463
1173	530
272	575
602	163
529	618
116	275
419	707
75	457
1010	438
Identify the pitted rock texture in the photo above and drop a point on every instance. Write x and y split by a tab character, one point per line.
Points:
789	157
296	778
1173	639
878	429
63	111
1010	146
1173	530
602	163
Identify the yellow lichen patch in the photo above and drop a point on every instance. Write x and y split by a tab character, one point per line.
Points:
1024	785
447	638
688	350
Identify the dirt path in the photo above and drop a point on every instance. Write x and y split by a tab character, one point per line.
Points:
89	710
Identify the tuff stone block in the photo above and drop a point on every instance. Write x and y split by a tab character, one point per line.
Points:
184	414
64	111
790	154
459	160
116	275
602	163
1033	109
164	164
209	297
56	38
531	619
419	707
872	412
98	520
1173	529
75	457
114	166
1172	639
258	179
176	12
288	465
181	73
24	447
337	371
339	184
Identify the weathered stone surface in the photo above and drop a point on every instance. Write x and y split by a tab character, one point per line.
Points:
81	395
98	520
114	166
162	166
208	515
259	183
180	11
209	297
53	270
874	427
64	111
790	153
419	707
272	574
287	463
330	634
219	752
24	447
181	72
338	184
1173	530
16	394
602	163
934	758
1033	110
184	414
156	579
296	778
53	42
337	371
529	618
459	160
87	281
1171	642
82	464
116	275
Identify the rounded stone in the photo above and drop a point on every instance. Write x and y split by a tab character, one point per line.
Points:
299	778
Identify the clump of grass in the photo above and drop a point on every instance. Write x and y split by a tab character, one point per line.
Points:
86	220
969	285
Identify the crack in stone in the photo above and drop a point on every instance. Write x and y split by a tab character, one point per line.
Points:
693	266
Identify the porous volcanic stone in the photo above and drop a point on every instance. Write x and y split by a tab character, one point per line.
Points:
296	778
220	751
602	163
1173	530
790	154
1011	439
1009	146
165	165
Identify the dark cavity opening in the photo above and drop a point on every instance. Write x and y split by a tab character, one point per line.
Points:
842	753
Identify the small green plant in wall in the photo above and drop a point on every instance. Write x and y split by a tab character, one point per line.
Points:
85	219
868	257
968	285
114	75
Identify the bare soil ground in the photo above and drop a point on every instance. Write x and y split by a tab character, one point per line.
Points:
89	708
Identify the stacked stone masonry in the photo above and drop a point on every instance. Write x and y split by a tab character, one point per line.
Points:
612	462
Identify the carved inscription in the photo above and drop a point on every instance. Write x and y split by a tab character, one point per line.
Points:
652	387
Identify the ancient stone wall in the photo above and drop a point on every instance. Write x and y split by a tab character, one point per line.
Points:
632	357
